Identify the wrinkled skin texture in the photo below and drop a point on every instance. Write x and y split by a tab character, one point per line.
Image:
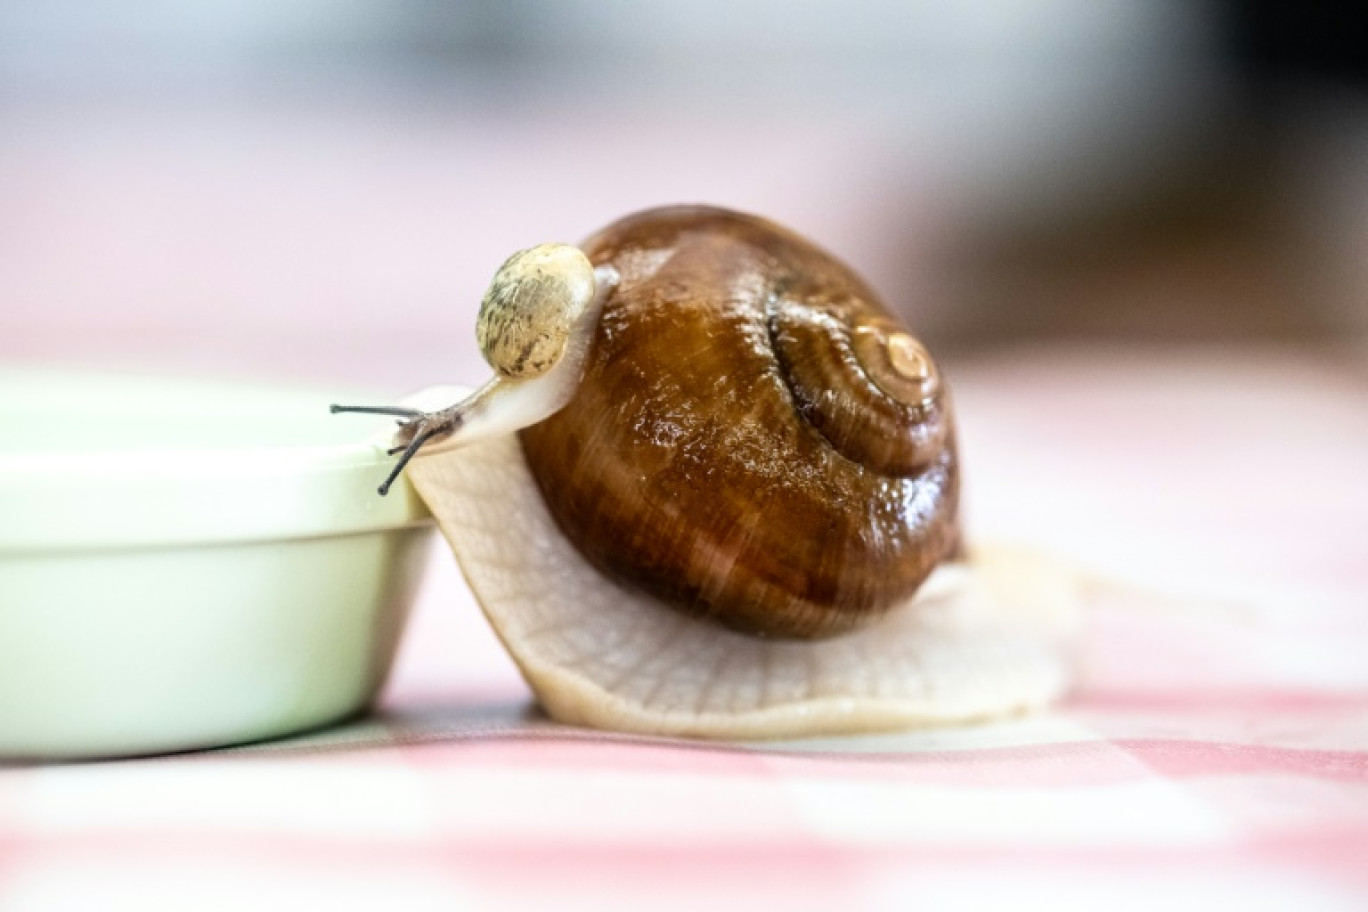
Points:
731	450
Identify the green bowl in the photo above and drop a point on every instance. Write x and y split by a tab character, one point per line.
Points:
186	564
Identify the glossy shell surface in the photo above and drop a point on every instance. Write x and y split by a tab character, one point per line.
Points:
756	440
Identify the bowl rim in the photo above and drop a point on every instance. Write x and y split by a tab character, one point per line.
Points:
62	500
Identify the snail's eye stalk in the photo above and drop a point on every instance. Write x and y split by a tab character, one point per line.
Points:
396	410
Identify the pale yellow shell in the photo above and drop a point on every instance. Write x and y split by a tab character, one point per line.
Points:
533	301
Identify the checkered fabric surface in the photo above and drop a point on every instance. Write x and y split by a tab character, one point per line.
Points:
1214	754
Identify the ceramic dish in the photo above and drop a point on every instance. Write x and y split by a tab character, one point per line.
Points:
184	565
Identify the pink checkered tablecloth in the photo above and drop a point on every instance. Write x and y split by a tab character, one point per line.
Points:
1214	754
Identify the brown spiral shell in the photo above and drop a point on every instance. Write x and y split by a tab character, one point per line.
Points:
756	439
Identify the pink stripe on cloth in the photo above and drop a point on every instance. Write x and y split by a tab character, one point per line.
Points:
1188	759
1204	701
789	873
1061	765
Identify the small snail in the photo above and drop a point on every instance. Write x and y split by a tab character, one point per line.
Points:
730	507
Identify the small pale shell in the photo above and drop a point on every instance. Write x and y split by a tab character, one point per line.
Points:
533	301
981	639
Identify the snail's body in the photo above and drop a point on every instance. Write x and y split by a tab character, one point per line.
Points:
693	460
730	509
981	639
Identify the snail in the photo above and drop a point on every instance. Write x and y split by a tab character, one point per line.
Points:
713	490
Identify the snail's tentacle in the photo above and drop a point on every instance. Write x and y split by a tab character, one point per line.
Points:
396	410
426	427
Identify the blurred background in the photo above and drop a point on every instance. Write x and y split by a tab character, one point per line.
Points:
1134	232
320	189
